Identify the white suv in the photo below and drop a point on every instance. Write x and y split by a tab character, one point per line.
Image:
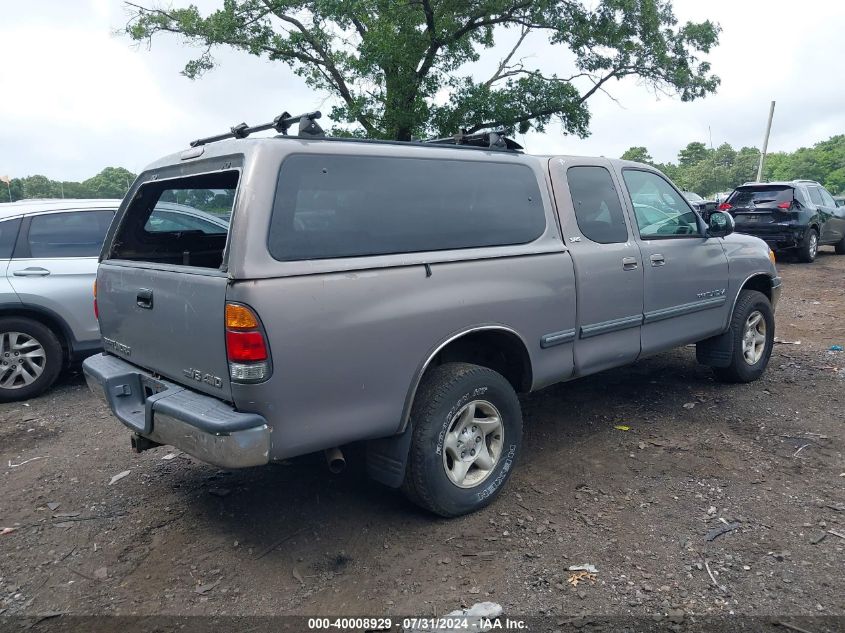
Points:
48	258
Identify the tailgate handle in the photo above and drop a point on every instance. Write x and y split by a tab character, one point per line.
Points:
145	298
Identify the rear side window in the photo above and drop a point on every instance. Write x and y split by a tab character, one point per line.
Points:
597	208
8	235
183	221
746	196
815	196
70	234
348	206
827	198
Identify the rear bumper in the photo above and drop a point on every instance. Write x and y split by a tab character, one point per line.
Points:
167	413
780	239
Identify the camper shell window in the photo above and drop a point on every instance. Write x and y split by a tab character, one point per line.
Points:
183	221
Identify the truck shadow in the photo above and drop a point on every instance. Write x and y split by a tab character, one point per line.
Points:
301	501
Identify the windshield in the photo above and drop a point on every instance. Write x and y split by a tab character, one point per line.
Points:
692	197
746	196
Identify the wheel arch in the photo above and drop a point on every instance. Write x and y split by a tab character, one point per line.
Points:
47	318
496	347
761	282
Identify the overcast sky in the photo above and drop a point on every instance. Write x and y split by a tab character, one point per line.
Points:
77	98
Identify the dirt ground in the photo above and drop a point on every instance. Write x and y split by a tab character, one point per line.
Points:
175	536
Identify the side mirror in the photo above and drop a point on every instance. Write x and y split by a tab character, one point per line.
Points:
720	224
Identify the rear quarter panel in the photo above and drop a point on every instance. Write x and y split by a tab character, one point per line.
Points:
347	346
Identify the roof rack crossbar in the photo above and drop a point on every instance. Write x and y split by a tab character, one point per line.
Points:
282	123
493	139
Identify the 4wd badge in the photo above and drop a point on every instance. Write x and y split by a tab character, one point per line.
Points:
197	375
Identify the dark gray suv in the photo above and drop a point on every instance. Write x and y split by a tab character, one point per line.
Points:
798	215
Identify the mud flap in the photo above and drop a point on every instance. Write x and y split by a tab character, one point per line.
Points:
716	351
387	457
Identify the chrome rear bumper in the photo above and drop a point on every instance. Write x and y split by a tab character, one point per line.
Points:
167	413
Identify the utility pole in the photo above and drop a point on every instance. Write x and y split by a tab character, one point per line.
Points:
765	143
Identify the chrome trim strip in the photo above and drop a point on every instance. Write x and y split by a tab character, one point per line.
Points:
557	338
614	325
680	310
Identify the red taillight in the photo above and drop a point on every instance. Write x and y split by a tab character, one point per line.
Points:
96	309
245	347
249	359
784	205
725	207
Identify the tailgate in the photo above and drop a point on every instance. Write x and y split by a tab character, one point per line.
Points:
168	321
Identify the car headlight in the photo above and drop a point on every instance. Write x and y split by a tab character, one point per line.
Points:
772	256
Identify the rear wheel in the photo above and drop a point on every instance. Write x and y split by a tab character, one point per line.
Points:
753	332
840	247
30	358
466	437
809	247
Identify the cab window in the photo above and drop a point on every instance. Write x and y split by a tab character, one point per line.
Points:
660	210
597	209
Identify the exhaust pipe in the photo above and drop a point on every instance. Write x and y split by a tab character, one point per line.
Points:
335	460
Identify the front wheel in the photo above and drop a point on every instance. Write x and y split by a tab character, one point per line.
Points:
467	433
30	358
753	332
839	247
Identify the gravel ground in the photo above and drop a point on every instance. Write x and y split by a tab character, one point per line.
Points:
762	463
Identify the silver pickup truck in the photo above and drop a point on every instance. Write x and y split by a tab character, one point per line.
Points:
402	295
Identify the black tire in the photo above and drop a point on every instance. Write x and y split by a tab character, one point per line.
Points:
839	247
53	358
809	247
740	370
444	392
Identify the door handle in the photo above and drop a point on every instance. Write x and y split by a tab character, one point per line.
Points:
144	299
657	259
32	271
629	263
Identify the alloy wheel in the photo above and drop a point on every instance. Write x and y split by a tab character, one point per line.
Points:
22	360
473	444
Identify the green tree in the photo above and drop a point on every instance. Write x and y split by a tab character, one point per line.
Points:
638	154
387	61
112	182
692	154
744	168
40	187
725	155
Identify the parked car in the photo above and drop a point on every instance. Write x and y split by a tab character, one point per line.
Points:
48	252
704	207
797	215
402	294
839	200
